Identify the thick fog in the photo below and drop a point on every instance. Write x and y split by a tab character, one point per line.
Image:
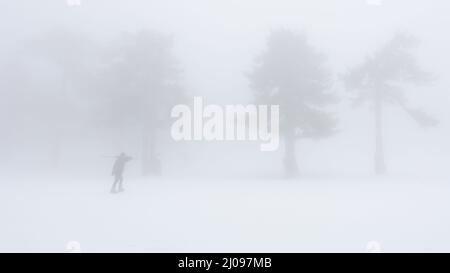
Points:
362	90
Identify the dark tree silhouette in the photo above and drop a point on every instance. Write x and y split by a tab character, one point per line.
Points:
292	74
379	80
141	82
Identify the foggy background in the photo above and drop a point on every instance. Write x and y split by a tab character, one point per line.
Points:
75	92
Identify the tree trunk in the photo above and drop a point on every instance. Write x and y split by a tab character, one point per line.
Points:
58	124
380	167
290	158
56	151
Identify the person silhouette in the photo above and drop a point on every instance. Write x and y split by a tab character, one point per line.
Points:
117	172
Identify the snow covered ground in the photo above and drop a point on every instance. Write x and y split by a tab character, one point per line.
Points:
316	214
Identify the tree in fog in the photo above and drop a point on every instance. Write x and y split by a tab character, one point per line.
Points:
14	103
292	74
379	80
141	82
67	57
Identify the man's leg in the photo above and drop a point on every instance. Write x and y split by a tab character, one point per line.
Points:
121	184
116	180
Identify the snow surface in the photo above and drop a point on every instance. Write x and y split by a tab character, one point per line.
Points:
317	214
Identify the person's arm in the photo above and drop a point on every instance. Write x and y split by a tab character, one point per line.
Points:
114	168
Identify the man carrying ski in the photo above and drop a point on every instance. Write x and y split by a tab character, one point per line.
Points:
117	172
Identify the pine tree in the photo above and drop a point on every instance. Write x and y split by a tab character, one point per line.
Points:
379	81
142	84
292	74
